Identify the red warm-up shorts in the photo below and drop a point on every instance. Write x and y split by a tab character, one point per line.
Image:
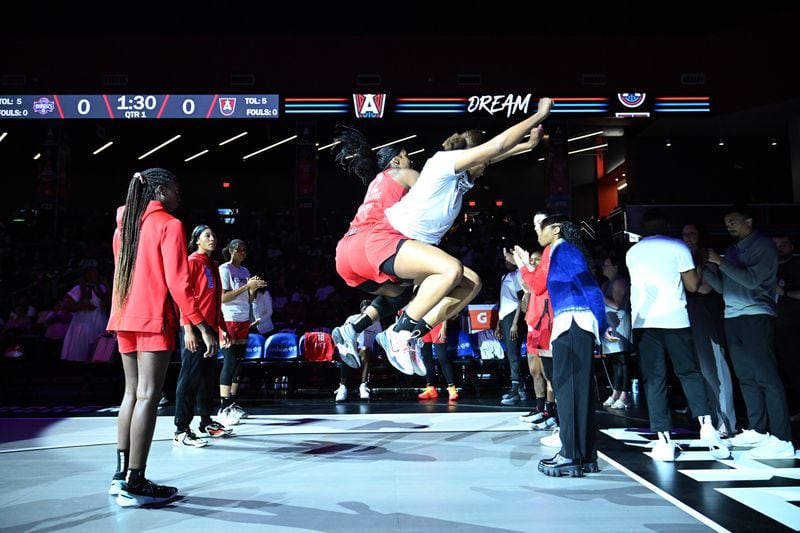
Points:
138	341
359	255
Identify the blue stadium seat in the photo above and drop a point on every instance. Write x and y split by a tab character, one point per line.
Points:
459	344
281	347
255	347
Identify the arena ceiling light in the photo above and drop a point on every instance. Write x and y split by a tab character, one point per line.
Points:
195	156
588	148
416	152
331	145
3	135
159	147
37	156
394	142
106	145
579	137
226	141
286	140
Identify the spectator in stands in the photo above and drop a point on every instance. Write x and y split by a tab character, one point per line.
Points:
262	312
88	302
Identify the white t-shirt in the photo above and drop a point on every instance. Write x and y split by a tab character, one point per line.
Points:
509	287
658	299
431	206
232	277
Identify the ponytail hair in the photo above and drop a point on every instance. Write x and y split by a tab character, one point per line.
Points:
572	234
141	191
196	232
227	252
462	141
355	155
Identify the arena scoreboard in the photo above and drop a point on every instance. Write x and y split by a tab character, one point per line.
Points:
139	106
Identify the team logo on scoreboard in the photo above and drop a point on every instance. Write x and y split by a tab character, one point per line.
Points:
43	106
227	106
631	99
369	105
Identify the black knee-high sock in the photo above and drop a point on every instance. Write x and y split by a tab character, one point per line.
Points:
421	329
362	323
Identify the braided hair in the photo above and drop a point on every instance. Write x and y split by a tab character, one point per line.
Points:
141	191
227	252
572	234
355	155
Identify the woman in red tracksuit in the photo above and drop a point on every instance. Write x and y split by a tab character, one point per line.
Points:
151	277
198	376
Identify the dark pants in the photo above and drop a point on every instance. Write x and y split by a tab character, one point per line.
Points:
195	390
574	388
787	347
512	347
428	349
751	341
654	344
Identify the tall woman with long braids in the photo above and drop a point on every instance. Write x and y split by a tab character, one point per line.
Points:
151	276
578	320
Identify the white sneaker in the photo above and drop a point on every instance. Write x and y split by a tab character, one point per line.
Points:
748	438
116	486
710	437
609	401
772	448
341	393
531	418
228	417
187	439
400	358
416	358
665	451
363	391
552	441
238	411
545	424
346	340
621	404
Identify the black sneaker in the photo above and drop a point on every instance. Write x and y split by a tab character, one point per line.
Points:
145	493
561	466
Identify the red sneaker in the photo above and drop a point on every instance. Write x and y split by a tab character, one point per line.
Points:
428	394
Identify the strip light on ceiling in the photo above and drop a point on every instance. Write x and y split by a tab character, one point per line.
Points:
159	147
226	141
195	156
248	156
106	145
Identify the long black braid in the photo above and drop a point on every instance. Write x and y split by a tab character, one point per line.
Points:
354	153
572	234
141	191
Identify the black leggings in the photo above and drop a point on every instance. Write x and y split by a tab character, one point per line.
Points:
428	349
619	371
232	364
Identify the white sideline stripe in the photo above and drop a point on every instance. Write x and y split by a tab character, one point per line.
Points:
674	501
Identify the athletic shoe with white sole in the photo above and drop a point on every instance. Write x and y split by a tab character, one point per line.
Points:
145	493
748	439
772	448
665	451
346	340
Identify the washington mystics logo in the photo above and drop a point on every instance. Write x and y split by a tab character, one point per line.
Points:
631	99
369	105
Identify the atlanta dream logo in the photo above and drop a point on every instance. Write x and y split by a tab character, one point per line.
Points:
631	99
227	106
369	105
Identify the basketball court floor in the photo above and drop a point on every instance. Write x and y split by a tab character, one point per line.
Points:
392	464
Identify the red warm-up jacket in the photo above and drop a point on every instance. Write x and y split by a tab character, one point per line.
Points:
160	276
207	289
539	315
